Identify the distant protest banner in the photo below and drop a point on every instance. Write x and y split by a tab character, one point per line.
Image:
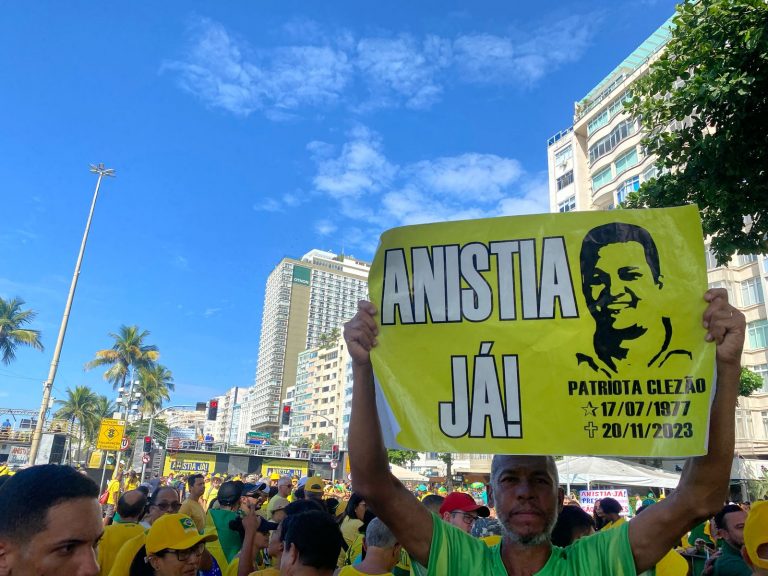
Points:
577	333
587	499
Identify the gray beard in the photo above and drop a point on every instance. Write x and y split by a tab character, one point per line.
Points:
530	540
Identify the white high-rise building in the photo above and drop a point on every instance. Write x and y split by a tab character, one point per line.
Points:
595	163
304	299
227	417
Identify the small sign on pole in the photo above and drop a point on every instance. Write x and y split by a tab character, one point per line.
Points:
111	434
145	458
125	443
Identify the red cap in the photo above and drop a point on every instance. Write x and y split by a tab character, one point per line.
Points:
463	502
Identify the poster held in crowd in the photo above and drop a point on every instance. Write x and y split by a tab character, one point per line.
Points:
575	333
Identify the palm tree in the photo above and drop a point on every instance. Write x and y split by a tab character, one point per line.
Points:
103	407
128	353
155	385
78	406
12	331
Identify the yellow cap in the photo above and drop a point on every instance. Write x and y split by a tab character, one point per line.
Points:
314	484
756	534
174	531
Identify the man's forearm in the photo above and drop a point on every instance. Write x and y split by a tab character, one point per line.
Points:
367	454
704	481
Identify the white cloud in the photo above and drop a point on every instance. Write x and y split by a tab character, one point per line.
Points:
321	69
211	312
381	194
361	168
325	227
490	59
180	262
226	72
402	70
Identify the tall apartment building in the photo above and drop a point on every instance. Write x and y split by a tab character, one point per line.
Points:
318	400
304	299
596	162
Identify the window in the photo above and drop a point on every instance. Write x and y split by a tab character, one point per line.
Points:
597	122
728	287
567	205
629	185
744	428
744	259
757	334
608	143
626	161
752	292
601	178
711	260
764	415
650	172
762	371
563	155
565	179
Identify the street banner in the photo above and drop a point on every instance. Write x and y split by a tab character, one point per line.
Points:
111	433
587	499
189	463
576	333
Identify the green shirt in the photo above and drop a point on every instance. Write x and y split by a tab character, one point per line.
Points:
456	553
730	563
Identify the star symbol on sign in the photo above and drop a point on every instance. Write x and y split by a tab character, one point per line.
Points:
589	410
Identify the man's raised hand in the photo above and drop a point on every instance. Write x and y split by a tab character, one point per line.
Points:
725	326
360	333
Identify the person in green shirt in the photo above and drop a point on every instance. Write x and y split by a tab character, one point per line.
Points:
730	529
524	489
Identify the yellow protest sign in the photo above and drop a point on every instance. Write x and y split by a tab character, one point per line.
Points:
110	434
284	467
575	333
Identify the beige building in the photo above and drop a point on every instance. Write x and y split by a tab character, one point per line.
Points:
304	299
319	395
594	164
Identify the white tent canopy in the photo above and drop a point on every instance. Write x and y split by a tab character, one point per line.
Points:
405	475
589	469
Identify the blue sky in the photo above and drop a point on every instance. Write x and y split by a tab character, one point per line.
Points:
243	132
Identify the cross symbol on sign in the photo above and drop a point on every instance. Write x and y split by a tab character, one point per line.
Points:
591	429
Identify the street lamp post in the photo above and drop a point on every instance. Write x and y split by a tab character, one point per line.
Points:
334	433
48	385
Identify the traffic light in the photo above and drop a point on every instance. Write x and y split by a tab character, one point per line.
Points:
286	420
335	452
147	444
213	409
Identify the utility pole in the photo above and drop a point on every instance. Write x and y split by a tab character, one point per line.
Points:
48	385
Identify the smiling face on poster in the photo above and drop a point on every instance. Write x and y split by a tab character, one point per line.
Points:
574	333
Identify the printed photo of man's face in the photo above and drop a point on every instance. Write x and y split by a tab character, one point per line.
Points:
621	290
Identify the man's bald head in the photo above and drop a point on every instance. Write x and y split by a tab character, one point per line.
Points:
131	505
500	462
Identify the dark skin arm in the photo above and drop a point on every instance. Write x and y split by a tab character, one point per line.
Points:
703	484
408	520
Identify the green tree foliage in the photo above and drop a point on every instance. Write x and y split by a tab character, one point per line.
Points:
78	407
402	457
129	352
447	458
749	382
155	385
12	329
704	107
329	339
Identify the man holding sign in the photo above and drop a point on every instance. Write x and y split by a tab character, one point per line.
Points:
524	489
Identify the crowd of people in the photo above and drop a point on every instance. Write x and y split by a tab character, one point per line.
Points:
51	521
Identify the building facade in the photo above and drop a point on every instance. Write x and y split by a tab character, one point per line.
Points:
304	300
594	164
319	395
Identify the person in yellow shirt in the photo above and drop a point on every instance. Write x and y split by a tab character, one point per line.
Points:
382	552
174	546
132	482
611	514
191	506
130	508
114	488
